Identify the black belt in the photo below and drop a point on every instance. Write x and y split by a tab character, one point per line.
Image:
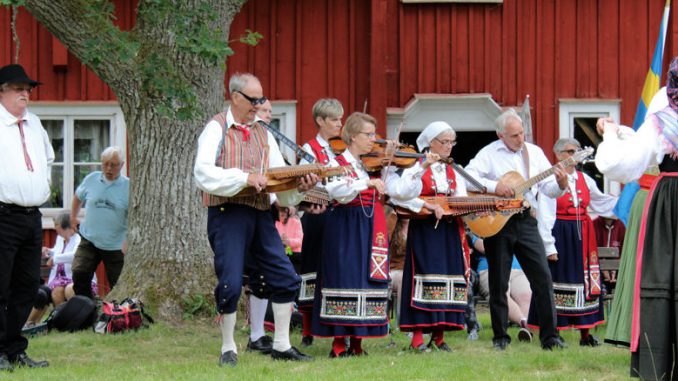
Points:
19	209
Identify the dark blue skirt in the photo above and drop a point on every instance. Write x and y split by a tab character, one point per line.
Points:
434	288
572	308
313	226
346	302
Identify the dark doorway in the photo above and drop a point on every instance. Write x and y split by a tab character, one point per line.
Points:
585	133
468	143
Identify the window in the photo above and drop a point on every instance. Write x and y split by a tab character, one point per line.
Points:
79	133
578	120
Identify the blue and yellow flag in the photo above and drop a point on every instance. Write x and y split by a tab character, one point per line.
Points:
652	85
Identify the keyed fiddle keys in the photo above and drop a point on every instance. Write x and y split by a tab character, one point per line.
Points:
284	178
460	206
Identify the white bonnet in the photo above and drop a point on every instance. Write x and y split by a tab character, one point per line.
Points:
431	131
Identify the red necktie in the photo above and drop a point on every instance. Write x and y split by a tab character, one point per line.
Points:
245	129
29	164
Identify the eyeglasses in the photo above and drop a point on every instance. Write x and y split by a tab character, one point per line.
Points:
570	151
369	134
450	143
19	88
253	101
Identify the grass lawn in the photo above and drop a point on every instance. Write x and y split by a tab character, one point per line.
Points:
191	352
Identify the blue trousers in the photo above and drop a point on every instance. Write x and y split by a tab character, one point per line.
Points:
235	231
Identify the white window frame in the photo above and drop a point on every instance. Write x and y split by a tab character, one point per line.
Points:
588	108
286	112
69	112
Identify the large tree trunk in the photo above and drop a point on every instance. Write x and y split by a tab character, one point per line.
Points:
168	258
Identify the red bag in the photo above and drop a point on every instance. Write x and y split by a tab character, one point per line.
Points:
121	317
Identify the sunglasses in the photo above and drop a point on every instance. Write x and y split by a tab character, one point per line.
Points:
570	151
253	101
19	88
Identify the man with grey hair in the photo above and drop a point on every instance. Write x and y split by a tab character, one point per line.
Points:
233	152
103	233
521	235
26	155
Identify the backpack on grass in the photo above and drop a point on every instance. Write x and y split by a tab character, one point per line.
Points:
77	313
125	316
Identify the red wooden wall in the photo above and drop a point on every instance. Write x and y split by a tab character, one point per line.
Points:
382	52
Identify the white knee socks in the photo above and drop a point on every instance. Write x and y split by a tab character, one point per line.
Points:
257	315
282	313
227	327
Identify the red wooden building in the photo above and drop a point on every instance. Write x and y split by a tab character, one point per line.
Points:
409	61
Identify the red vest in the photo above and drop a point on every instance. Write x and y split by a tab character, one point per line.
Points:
319	151
429	185
566	202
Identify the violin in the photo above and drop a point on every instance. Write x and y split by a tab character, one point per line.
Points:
405	155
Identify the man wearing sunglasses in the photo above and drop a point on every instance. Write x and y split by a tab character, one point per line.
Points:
240	225
26	155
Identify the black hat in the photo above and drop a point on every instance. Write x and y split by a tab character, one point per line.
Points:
15	74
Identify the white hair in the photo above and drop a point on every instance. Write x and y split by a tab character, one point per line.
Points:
505	118
109	152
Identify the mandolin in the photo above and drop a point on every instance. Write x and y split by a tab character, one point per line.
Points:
459	206
488	225
284	178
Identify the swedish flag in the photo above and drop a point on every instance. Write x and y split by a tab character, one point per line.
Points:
652	84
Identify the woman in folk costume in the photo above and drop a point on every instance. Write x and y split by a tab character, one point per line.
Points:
577	282
437	255
623	156
352	284
327	114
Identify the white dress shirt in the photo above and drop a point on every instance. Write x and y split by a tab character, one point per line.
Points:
495	160
18	185
345	189
625	155
227	182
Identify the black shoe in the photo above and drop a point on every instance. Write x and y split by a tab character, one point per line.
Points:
229	358
362	352
422	348
291	354
501	344
524	335
22	359
556	343
307	341
342	354
442	347
263	344
590	341
5	364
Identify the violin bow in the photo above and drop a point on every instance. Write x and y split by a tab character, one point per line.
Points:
390	158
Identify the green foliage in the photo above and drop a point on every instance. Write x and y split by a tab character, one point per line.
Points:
197	306
250	38
12	3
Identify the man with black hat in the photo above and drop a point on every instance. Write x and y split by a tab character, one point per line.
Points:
26	155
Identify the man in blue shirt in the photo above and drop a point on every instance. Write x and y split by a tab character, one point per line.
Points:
105	195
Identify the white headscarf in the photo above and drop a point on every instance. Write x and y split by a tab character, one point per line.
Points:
431	131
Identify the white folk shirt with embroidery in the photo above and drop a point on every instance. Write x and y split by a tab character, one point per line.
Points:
495	160
624	156
439	174
401	187
20	186
227	182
